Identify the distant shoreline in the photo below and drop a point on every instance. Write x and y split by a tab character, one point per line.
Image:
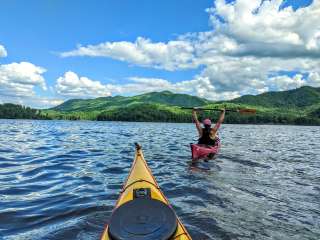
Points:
299	106
87	120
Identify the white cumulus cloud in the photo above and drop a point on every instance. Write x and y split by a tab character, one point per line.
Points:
71	85
20	79
249	50
18	83
3	51
284	82
243	27
262	28
143	52
314	79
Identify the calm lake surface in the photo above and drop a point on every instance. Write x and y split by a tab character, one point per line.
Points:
61	179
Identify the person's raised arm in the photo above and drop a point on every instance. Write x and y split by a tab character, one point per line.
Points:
220	120
196	121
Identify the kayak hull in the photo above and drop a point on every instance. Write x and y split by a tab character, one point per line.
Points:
140	176
200	151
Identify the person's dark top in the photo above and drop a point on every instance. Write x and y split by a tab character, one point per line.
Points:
205	138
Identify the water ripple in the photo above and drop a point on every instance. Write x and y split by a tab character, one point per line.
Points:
60	179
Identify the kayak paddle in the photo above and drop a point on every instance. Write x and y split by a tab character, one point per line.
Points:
242	111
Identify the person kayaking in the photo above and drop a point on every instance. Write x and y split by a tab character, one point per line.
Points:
207	134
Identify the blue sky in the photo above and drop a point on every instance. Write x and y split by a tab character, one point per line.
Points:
129	48
47	27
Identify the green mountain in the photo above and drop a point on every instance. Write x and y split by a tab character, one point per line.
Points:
103	103
298	106
297	98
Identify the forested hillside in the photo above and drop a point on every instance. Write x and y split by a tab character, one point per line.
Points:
14	111
103	103
297	98
298	106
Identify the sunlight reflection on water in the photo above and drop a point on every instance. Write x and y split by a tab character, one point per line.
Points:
60	179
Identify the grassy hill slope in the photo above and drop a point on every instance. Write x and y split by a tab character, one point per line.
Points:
298	106
103	103
297	98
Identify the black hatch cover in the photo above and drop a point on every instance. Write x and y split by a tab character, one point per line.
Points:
142	219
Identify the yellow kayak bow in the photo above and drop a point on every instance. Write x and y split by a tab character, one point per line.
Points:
142	211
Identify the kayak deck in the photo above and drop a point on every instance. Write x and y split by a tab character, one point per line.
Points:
200	151
140	176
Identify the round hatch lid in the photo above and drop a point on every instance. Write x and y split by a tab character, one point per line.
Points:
142	219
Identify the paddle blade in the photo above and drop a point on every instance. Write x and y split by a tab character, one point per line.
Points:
247	111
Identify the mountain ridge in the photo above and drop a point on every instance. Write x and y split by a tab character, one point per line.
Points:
302	97
101	103
287	98
297	106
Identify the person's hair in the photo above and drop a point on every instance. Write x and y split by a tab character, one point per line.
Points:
207	128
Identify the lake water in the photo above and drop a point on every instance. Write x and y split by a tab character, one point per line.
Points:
61	179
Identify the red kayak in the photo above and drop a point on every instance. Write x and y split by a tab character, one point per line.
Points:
199	151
